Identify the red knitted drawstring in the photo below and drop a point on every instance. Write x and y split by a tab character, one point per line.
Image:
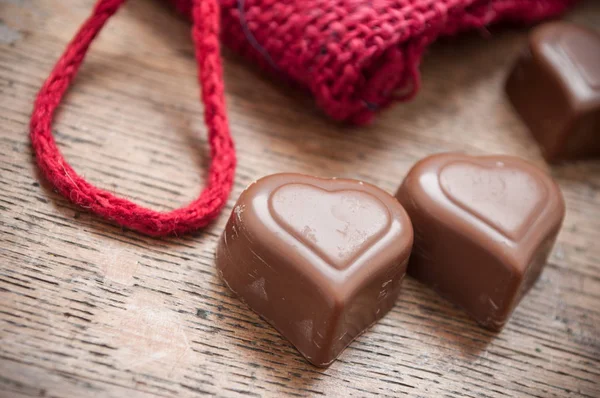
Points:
206	207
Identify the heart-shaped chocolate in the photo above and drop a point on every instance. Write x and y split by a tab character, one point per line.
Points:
338	225
484	227
320	260
555	88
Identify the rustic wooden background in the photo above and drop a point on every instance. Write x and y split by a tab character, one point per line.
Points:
87	309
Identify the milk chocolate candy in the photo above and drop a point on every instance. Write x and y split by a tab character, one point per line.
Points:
555	87
484	227
319	259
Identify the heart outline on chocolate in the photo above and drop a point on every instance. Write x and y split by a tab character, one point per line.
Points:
355	241
513	218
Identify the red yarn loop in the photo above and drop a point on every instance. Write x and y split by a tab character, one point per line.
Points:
206	207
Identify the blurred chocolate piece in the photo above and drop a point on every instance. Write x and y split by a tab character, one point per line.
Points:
484	227
555	87
320	260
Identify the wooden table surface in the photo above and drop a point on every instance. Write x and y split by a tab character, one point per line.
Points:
88	309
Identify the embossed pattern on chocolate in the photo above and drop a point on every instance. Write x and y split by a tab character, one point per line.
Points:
319	259
484	227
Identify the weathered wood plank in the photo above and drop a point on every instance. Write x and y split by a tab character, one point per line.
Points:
87	308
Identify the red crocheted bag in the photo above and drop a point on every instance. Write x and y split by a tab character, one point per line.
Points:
356	56
353	55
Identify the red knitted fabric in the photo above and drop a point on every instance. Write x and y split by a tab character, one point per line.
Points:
205	14
358	56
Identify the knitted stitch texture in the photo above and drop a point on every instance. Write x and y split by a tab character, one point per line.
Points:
358	56
205	16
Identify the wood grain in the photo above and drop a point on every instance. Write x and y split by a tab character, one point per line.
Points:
88	309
